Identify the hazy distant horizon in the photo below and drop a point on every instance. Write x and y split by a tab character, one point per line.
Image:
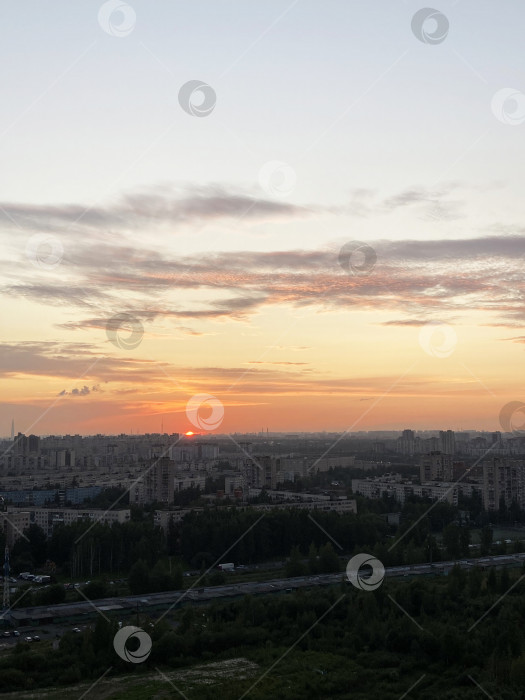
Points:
211	436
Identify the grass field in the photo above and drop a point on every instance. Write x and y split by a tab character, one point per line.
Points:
160	685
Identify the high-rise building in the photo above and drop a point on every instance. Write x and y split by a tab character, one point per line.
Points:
436	466
406	443
503	480
447	441
156	484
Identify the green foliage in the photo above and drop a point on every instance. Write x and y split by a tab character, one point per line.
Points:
96	589
294	565
31	550
321	643
139	578
50	596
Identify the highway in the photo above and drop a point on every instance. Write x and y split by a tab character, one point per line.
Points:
154	603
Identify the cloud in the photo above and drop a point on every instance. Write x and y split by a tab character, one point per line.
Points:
517	339
418	278
153	207
433	204
83	391
263	362
404	322
115	267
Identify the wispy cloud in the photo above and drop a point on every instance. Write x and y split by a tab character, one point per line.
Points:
412	277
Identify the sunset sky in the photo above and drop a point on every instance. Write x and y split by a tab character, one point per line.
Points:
114	200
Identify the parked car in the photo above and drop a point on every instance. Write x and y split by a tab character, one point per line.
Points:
28	639
77	629
36	638
16	633
7	634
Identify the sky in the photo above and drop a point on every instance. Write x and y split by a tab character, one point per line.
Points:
327	236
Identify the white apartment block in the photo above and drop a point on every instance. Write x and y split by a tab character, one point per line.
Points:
187	481
47	518
375	488
13	524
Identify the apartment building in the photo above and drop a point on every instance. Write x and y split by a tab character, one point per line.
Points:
401	490
503	479
13	524
47	518
436	466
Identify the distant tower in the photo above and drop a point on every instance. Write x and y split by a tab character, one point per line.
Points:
12	429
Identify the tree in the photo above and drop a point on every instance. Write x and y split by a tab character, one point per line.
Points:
491	580
139	579
31	546
504	582
328	559
451	541
51	596
475	580
486	539
294	565
201	560
313	564
217	578
96	589
464	540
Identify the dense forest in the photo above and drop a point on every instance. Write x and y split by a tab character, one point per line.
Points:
249	536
